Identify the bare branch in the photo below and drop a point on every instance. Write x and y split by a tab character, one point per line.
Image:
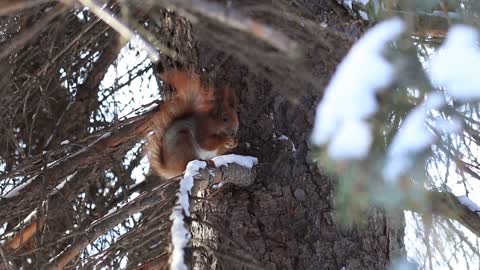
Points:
130	131
120	27
19	40
447	205
160	197
8	7
237	21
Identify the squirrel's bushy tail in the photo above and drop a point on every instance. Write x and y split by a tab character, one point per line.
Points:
190	97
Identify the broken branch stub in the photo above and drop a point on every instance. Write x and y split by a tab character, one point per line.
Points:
232	173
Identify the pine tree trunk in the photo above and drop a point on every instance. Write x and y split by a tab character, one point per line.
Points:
287	218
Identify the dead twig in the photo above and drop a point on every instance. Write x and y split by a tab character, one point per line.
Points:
447	205
237	21
120	27
101	226
23	37
8	7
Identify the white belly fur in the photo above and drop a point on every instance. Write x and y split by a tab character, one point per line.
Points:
205	154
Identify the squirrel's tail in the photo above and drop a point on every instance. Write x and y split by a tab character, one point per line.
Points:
191	97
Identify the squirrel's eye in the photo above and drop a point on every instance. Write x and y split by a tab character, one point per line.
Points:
225	119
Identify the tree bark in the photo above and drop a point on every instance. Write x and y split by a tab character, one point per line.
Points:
287	218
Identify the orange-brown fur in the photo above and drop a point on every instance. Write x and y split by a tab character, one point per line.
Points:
196	123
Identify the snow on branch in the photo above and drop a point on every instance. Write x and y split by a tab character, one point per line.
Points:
349	100
469	203
17	190
348	5
236	173
414	137
180	235
245	161
179	232
60	186
445	204
455	66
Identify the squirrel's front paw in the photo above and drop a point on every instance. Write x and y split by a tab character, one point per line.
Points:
231	143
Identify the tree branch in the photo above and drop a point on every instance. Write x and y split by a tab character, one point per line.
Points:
161	197
101	226
237	21
19	40
8	7
96	152
447	205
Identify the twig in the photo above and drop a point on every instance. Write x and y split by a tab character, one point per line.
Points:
9	7
120	27
106	223
242	23
5	260
74	41
63	167
19	40
447	205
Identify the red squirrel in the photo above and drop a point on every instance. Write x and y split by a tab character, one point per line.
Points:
196	123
